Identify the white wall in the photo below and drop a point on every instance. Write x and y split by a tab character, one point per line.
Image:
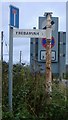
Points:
67	32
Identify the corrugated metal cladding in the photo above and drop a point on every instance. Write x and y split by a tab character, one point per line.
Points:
37	51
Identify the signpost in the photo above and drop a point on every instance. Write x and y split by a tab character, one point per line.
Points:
44	43
29	33
43	55
14	22
10	66
14	16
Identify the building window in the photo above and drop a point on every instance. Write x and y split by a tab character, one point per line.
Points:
31	54
63	55
31	42
36	42
64	43
36	54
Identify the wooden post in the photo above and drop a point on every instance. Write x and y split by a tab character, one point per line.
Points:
48	83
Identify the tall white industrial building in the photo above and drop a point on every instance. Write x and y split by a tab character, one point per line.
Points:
67	31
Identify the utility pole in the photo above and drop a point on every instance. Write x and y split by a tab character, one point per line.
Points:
2	46
1	55
1	75
20	56
48	83
34	42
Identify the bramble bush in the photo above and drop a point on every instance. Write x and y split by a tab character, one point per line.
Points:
29	98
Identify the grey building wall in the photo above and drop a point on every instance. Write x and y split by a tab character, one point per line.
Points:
62	52
66	31
67	68
33	54
58	65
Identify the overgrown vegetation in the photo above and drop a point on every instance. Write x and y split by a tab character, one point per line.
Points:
29	99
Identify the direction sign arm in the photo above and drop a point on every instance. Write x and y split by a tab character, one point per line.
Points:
30	33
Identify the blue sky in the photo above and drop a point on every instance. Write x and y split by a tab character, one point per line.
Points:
29	13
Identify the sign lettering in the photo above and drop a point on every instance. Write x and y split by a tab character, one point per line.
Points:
31	33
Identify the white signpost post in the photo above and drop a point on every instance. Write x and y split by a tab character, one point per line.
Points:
14	22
